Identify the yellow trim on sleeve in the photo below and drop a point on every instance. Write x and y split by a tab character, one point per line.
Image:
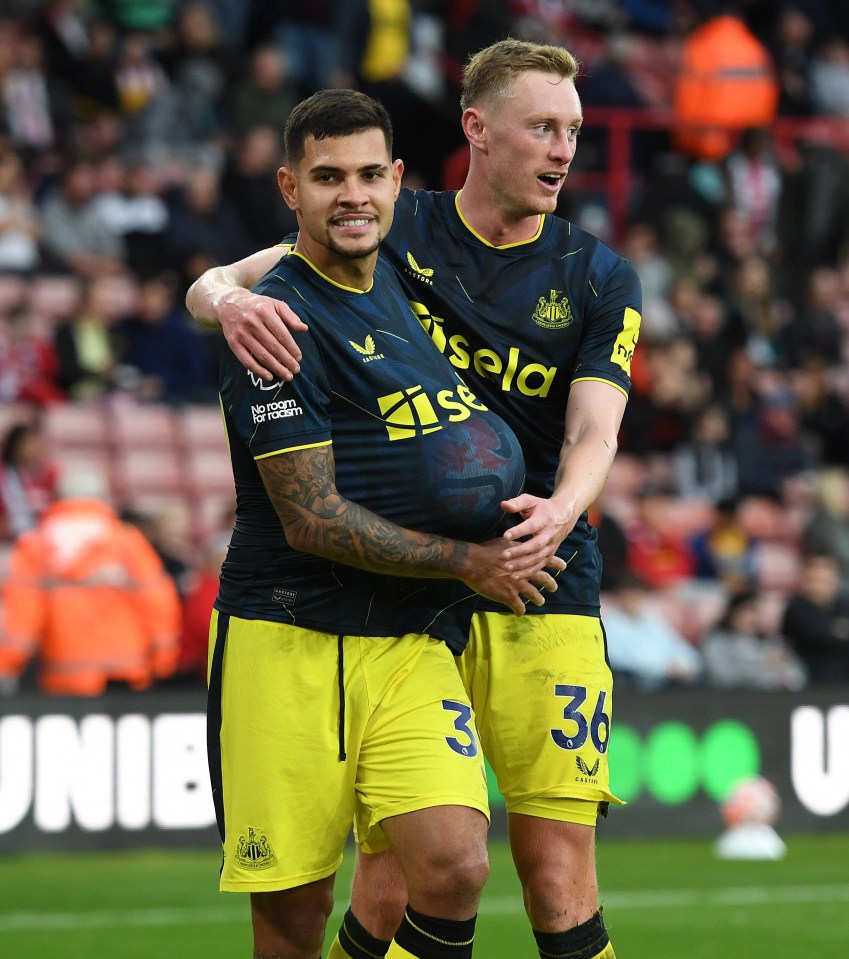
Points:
599	379
505	246
294	449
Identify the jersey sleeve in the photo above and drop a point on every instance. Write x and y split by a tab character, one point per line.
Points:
280	417
612	328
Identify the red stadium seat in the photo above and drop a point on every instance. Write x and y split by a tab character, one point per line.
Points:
142	425
201	427
148	471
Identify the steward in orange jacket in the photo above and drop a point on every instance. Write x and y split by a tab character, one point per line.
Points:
89	596
726	83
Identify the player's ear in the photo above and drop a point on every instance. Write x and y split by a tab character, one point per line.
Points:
397	174
474	127
288	184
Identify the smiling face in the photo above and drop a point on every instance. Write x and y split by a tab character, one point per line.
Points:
524	140
343	191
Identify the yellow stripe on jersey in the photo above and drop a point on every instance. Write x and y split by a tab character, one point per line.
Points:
504	246
623	348
324	276
293	449
599	379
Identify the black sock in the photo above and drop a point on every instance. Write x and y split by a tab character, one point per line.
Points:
433	938
357	942
581	942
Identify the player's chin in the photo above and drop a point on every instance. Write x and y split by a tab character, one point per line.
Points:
359	248
543	202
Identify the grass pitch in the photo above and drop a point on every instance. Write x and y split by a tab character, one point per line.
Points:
663	900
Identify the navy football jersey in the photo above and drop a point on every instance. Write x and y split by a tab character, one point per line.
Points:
411	442
521	324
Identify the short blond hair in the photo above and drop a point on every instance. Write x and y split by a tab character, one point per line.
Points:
490	72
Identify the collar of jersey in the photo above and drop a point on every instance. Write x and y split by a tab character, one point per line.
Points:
505	246
325	277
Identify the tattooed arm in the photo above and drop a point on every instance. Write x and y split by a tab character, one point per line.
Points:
319	520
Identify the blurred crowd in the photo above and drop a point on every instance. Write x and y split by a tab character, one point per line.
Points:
139	143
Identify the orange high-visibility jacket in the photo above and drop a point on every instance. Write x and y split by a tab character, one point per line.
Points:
727	83
89	595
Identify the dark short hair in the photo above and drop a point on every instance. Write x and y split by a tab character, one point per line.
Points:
333	113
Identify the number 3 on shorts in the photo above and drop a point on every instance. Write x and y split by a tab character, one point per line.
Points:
461	724
577	697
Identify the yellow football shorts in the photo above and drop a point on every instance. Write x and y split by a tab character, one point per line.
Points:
316	732
542	690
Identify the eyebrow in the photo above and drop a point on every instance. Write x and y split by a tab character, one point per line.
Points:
366	168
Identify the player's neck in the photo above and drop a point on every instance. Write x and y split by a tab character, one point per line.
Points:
350	273
490	221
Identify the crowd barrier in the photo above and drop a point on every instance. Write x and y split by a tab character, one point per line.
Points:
614	174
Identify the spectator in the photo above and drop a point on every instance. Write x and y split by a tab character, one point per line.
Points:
28	479
656	552
827	529
726	83
769	447
612	544
167	529
160	344
89	598
136	212
715	336
154	125
92	83
29	366
724	551
250	183
199	65
792	52
30	99
657	415
73	228
830	78
738	654
308	36
264	96
815	332
704	465
204	228
86	345
816	621
20	227
644	649
758	311
197	607
824	411
754	186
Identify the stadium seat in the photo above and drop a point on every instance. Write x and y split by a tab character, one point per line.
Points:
76	426
201	427
141	471
142	425
209	472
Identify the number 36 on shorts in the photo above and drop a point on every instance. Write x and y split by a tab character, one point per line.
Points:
577	728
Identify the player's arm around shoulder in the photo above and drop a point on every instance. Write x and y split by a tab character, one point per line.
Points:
258	329
318	519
